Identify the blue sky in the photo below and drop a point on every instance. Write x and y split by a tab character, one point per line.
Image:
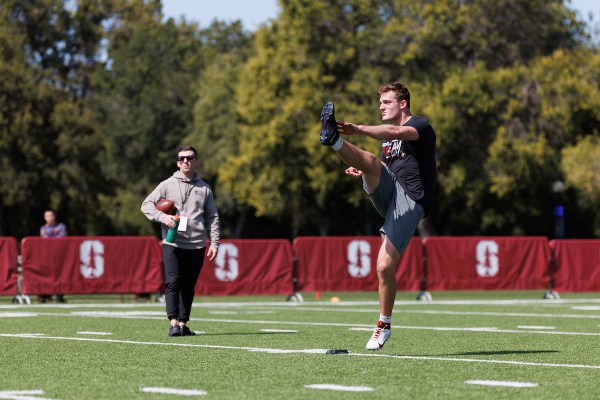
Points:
252	13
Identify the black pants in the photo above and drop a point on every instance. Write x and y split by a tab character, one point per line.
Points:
182	268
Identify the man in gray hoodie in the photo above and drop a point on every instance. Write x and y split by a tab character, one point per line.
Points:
196	213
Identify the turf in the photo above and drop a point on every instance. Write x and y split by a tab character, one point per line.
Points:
262	347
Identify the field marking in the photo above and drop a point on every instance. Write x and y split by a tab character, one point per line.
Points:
180	392
487	329
94	333
586	308
305	351
17	315
535	327
502	383
116	314
328	386
223	312
22	394
124	313
280	330
338	306
346	325
482	329
447	312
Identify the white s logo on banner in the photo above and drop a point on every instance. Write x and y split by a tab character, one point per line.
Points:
91	255
227	262
359	258
487	258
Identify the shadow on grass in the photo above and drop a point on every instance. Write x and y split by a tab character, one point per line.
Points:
485	353
497	353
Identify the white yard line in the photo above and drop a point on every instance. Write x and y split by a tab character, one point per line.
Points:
8	314
485	329
107	314
448	312
535	327
22	395
304	351
179	392
503	383
340	388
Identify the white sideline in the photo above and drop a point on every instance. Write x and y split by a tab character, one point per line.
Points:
338	306
304	351
142	315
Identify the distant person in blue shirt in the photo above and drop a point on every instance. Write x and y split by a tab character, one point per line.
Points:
49	230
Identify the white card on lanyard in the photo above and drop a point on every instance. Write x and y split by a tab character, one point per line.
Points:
183	220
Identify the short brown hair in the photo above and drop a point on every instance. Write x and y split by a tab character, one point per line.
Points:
401	91
186	148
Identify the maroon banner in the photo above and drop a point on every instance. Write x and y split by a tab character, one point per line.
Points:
577	264
487	263
249	266
349	263
91	264
8	265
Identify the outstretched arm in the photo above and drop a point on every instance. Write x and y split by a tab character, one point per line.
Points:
379	132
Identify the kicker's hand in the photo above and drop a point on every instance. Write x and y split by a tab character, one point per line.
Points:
353	172
347	128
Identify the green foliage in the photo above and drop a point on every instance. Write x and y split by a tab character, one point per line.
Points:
581	166
95	96
48	142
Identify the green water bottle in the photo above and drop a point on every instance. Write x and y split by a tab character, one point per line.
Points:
172	233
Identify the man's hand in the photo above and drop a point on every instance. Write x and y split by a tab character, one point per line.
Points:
169	221
212	253
347	128
353	172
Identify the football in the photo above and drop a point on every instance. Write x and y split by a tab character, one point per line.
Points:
165	205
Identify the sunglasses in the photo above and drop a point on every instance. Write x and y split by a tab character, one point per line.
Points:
186	158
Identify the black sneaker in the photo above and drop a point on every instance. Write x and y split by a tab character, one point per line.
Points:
185	331
174	330
329	129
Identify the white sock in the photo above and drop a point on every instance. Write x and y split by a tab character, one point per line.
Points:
385	319
338	144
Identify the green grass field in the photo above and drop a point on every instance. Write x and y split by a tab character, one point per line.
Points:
461	345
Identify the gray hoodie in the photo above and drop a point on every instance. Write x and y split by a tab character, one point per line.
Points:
194	199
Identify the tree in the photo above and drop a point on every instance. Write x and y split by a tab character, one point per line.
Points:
302	60
215	128
500	138
48	143
143	104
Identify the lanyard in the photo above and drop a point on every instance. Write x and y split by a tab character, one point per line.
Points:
191	185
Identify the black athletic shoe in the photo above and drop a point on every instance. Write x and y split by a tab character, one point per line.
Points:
174	330
185	331
329	129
